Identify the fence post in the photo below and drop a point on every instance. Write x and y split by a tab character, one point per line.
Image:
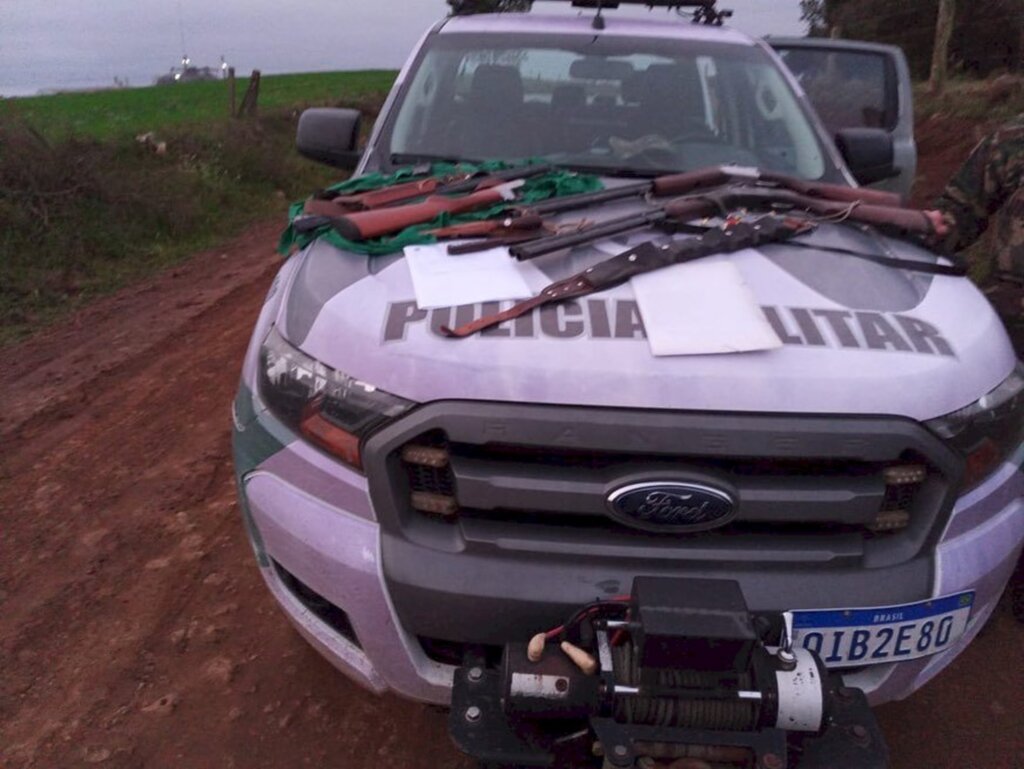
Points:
251	97
231	91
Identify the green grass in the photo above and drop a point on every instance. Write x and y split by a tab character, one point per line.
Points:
125	112
86	209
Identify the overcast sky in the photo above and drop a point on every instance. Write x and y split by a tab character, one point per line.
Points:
47	44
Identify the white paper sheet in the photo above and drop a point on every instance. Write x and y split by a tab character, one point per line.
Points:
440	280
701	308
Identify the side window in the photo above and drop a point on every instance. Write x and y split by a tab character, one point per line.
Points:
849	89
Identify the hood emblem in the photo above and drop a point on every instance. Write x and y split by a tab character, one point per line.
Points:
668	506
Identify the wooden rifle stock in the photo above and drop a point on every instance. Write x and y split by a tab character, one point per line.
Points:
490	226
691	181
836	192
396	193
907	220
404	192
364	225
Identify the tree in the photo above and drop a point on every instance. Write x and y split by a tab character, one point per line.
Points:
940	54
461	7
814	13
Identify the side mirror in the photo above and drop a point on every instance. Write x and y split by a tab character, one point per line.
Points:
868	153
329	135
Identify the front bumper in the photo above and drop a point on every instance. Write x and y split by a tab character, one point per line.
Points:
312	523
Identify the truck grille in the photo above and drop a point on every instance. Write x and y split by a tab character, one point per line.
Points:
828	491
851	497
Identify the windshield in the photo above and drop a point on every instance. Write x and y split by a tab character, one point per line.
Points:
603	103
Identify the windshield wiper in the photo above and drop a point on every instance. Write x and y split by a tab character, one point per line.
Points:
622	172
406	158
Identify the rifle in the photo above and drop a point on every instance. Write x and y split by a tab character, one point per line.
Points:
645	258
676	212
732	236
365	225
403	192
321	212
398	193
662	186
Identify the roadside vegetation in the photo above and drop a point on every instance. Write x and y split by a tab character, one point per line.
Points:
991	101
86	207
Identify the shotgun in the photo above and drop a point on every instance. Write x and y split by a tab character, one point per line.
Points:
365	225
647	257
662	186
734	235
901	221
405	192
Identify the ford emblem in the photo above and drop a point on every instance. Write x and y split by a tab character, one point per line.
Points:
668	506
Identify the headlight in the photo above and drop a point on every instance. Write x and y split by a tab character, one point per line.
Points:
988	430
331	409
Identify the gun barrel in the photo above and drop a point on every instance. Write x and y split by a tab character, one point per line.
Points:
608	229
456	183
588	199
486	227
396	193
495	178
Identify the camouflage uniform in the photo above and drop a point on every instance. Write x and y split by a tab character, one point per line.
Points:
989	184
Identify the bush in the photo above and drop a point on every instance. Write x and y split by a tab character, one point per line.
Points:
81	216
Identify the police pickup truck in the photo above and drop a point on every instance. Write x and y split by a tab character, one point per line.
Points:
569	536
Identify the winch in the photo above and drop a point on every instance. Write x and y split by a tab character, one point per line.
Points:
677	674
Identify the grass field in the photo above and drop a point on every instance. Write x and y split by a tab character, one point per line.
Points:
121	112
85	209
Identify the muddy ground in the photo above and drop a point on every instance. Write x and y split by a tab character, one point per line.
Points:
134	628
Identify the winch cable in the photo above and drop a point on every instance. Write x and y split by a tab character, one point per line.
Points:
682	712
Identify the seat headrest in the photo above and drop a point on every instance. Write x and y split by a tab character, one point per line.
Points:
667	83
567	97
496	84
633	88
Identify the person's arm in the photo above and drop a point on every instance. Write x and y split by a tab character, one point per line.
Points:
976	192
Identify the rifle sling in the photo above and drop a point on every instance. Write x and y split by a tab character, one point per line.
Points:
646	257
956	270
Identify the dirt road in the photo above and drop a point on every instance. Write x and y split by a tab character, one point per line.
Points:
134	628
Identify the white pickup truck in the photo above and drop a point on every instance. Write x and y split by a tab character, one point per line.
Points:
420	504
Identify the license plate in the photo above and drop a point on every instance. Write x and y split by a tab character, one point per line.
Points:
854	637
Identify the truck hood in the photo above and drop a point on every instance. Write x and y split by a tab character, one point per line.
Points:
858	337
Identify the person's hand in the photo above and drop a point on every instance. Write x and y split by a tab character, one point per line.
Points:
938	222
